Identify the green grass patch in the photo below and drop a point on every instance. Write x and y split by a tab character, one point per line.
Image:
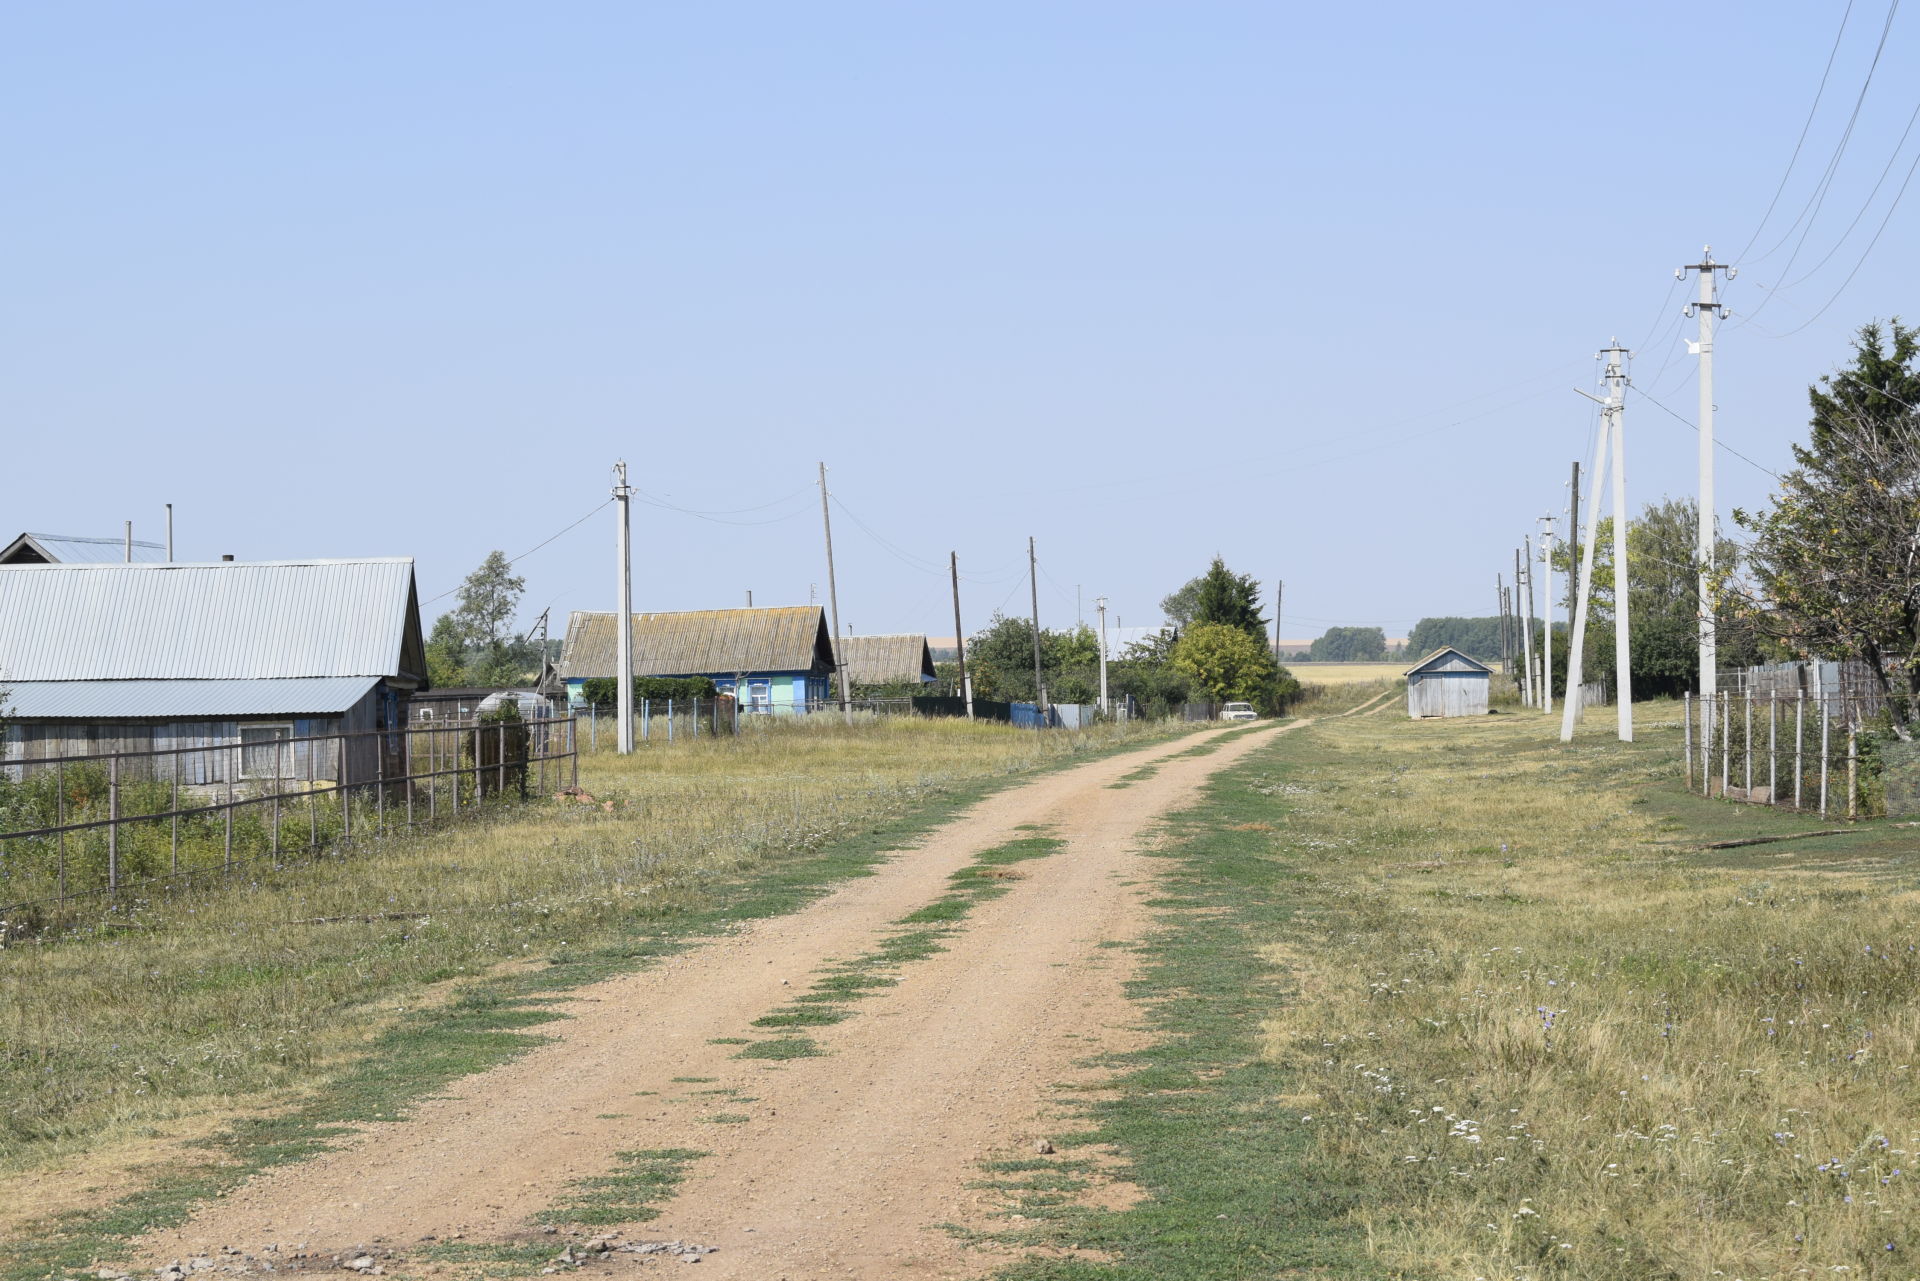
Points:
783	1047
631	1194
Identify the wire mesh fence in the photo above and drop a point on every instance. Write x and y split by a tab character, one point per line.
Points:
1783	748
90	829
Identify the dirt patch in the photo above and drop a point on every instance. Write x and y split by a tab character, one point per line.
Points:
841	1163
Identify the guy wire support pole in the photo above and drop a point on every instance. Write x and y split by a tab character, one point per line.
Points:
959	636
1577	643
833	602
1523	580
1622	575
623	630
1033	585
1708	309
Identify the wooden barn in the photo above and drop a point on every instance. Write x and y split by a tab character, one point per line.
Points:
1448	683
152	657
893	661
776	660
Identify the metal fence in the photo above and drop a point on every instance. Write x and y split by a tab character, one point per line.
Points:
97	826
1774	748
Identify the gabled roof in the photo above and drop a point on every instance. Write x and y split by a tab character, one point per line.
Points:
1447	659
886	660
231	620
703	642
71	549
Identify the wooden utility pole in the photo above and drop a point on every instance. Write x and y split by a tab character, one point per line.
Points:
833	602
1033	587
960	637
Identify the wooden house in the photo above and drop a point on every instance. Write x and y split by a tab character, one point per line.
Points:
103	658
774	660
1448	683
905	660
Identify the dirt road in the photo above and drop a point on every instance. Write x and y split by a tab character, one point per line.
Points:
834	1166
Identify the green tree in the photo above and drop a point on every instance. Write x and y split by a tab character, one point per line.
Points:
1230	599
1227	663
472	643
1834	558
1349	645
1476	637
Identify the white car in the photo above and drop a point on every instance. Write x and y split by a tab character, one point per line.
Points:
1239	712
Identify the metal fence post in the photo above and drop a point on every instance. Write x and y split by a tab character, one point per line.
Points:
1853	772
1686	729
341	778
113	825
173	803
1799	743
313	804
1748	753
479	770
669	720
233	768
380	787
646	718
1773	747
60	818
406	768
593	725
573	749
279	772
1826	728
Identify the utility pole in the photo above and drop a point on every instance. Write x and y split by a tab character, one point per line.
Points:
1576	658
623	628
960	637
833	601
1100	603
1573	535
1033	586
1622	579
1506	634
1708	309
1279	593
1523	583
1546	637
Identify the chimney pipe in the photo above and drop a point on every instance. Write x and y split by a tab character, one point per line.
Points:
226	556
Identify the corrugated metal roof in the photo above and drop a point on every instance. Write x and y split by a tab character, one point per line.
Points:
189	699
704	642
66	549
1448	659
886	660
247	620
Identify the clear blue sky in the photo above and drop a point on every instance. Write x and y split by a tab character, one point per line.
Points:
1305	286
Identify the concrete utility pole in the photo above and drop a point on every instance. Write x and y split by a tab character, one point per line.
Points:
1546	638
1033	585
1622	579
833	601
1523	583
1707	308
1573	535
623	627
1576	658
1100	603
960	637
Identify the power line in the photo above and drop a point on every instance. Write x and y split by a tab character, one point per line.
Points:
1811	212
531	550
1864	254
1802	141
1694	426
719	517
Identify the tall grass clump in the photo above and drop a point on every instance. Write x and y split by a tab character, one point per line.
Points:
1553	1043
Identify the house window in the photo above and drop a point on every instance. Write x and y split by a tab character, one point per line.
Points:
261	755
759	695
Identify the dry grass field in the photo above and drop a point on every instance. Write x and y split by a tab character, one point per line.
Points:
1554	1037
1345	673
